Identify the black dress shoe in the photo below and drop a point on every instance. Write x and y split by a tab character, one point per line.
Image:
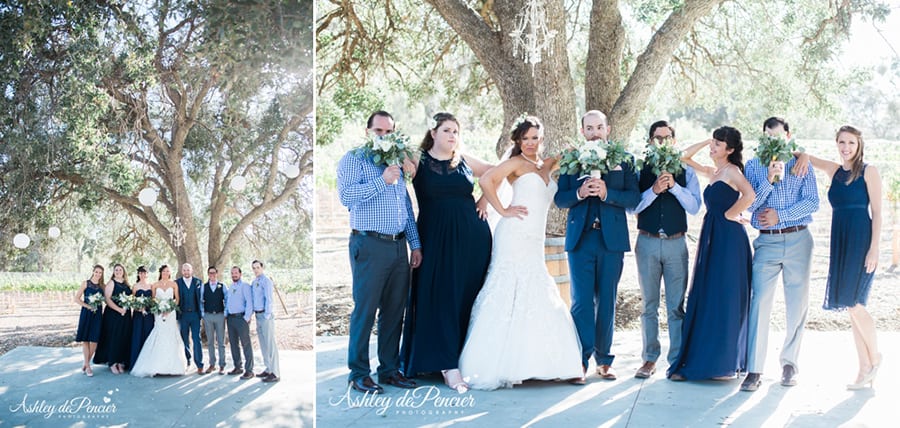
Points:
247	375
399	381
366	384
271	378
236	371
788	375
751	382
263	374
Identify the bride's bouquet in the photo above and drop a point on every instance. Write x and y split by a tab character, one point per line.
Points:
593	158
771	149
163	307
95	301
662	157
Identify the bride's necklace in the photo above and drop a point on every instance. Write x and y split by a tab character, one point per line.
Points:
537	164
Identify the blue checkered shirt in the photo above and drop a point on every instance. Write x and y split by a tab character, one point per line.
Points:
374	205
793	198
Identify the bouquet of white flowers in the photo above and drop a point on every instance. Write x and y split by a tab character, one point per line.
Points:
95	301
163	307
125	301
388	149
141	303
594	158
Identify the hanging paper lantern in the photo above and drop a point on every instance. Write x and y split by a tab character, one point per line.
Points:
148	196
239	183
54	232
21	241
291	171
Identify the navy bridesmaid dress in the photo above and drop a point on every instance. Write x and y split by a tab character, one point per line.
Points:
114	346
142	324
714	332
456	249
851	234
89	321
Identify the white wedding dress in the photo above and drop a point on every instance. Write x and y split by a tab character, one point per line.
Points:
163	352
520	327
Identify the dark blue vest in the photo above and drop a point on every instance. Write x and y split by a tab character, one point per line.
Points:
665	213
213	300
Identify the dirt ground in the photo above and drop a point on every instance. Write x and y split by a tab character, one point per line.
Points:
51	319
334	302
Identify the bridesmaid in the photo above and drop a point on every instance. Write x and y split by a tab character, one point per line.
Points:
90	319
115	337
142	320
457	241
855	192
714	332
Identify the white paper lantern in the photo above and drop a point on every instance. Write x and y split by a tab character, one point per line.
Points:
148	196
21	241
239	183
291	171
54	232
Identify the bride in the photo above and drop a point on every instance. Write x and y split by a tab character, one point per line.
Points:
520	327
163	351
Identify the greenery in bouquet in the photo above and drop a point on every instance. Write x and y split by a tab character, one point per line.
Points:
125	301
593	157
163	306
389	149
776	148
141	303
662	157
95	301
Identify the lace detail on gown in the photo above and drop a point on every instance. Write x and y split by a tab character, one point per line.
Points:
163	351
520	327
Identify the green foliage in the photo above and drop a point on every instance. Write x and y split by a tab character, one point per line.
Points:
663	157
590	156
776	148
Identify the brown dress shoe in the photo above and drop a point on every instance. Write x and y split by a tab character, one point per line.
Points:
399	381
263	374
366	384
788	375
236	371
646	370
606	372
210	369
200	371
247	375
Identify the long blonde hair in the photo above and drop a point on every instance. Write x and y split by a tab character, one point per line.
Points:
856	165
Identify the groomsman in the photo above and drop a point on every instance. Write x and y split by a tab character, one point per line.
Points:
596	242
238	312
782	211
661	250
212	310
381	222
189	318
262	290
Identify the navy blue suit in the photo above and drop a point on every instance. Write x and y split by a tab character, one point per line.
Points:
189	318
596	255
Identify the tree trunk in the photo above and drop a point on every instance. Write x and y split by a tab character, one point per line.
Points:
603	68
651	63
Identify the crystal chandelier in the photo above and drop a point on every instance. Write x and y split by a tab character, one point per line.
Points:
531	35
178	233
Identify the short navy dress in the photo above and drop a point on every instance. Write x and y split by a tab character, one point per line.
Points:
89	321
851	234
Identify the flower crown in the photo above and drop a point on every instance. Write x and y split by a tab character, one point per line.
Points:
519	120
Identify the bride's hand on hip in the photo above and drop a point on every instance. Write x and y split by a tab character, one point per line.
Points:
517	211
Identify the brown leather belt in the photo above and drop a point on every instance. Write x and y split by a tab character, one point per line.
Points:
783	231
662	235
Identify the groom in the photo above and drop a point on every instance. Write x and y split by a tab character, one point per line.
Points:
596	241
189	318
